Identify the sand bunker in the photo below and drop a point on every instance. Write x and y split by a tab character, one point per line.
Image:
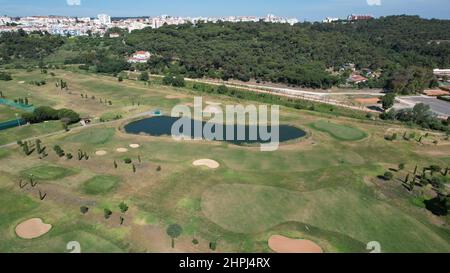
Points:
207	162
32	228
101	153
22	82
134	146
368	101
212	109
122	150
281	244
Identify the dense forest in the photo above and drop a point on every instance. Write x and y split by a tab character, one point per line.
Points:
404	49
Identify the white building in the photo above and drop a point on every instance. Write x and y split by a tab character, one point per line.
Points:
104	19
330	20
441	72
5	20
140	57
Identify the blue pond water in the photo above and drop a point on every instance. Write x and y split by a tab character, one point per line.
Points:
162	126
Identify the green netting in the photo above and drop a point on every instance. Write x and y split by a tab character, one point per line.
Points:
11	124
27	108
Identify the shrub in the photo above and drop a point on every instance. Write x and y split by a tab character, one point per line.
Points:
5	76
107	213
123	207
84	209
128	160
388	176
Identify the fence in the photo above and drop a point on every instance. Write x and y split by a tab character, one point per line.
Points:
24	107
11	124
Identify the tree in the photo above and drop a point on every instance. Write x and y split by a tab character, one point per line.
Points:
401	166
123	207
84	209
107	213
144	76
174	231
388	101
127	160
388	176
5	76
435	169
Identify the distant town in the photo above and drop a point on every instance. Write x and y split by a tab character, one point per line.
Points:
84	26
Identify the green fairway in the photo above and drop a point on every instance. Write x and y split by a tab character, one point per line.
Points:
48	172
251	209
26	131
100	184
92	136
13	206
338	131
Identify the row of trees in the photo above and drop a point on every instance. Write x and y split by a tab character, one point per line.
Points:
402	47
420	115
46	113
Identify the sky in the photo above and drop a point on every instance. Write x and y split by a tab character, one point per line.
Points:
304	10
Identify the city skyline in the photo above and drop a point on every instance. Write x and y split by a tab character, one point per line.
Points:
306	10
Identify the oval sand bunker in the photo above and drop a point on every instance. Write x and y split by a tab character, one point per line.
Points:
101	153
134	146
281	244
122	150
212	164
32	228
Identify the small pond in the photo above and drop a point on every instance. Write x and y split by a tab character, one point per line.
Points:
162	126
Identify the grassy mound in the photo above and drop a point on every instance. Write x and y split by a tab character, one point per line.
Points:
338	131
252	209
48	172
100	184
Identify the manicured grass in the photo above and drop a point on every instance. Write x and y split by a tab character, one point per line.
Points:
28	131
338	131
48	172
92	136
8	113
13	206
100	184
252	209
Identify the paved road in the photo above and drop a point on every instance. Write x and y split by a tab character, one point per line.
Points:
441	108
293	93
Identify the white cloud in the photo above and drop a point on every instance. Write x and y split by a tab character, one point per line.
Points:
374	2
73	2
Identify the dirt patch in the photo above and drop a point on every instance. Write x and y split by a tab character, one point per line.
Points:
134	146
368	100
436	92
281	244
173	97
122	150
101	153
32	228
212	164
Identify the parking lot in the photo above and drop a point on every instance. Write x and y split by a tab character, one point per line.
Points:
441	108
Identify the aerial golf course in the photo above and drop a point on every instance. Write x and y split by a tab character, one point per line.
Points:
325	187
